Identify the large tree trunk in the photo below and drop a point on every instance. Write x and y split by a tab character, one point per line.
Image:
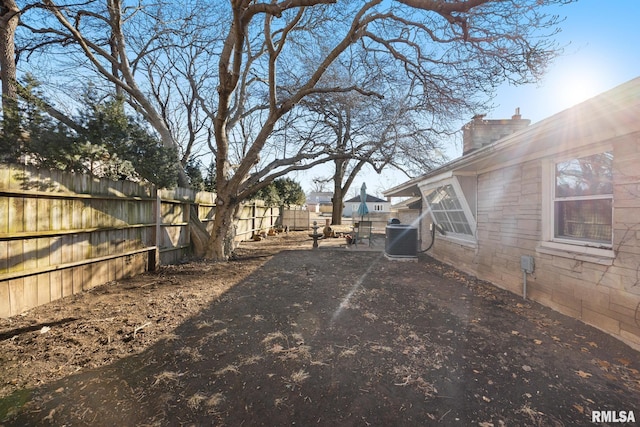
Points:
222	240
8	23
338	192
198	233
338	197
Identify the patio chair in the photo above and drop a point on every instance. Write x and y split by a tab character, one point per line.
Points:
364	231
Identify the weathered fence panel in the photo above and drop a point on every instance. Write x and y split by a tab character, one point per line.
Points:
255	218
61	234
296	219
173	237
174	240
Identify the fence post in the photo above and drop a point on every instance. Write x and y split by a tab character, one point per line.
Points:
253	219
154	256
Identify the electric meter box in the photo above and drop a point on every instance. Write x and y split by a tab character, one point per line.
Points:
526	263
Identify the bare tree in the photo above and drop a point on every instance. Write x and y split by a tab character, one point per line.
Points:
149	54
448	51
381	133
134	48
272	56
320	184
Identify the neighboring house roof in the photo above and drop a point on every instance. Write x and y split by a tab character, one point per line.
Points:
612	112
319	196
370	199
410	203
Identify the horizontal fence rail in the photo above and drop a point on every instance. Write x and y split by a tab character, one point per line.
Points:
61	234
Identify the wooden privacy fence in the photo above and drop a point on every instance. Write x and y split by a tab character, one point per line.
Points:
296	219
173	235
61	233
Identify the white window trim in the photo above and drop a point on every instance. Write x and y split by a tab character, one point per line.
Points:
463	239
574	249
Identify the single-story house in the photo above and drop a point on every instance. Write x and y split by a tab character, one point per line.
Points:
320	201
374	204
550	210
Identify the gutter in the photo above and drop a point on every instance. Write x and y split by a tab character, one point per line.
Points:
621	98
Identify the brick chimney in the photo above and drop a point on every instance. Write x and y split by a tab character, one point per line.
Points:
480	132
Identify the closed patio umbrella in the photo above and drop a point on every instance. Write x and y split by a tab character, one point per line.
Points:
362	208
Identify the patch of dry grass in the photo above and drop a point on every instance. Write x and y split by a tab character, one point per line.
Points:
195	401
215	400
283	349
274	336
191	353
299	376
169	337
275	348
408	376
203	324
349	351
250	360
165	377
370	316
219	333
536	416
298	338
229	368
381	348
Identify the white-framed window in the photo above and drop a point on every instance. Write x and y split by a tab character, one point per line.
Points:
583	200
449	209
578	206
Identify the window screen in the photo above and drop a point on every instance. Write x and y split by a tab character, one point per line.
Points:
447	211
583	202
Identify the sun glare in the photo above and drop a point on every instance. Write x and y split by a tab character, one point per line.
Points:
576	90
576	85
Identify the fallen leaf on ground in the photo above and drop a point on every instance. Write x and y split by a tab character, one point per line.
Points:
583	374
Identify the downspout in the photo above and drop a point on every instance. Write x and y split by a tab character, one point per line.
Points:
476	211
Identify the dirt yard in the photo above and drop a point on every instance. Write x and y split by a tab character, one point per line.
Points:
286	335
